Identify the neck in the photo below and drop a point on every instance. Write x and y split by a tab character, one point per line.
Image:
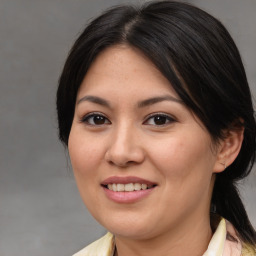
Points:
191	239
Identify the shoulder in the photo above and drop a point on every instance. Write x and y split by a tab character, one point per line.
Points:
101	247
248	250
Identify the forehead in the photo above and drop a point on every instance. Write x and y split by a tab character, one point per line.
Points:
122	66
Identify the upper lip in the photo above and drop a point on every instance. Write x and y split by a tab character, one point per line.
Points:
126	180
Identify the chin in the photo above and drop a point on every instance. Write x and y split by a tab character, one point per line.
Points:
128	225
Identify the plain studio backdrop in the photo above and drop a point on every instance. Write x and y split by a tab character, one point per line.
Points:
41	212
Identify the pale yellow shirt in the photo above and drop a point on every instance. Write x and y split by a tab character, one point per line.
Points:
218	246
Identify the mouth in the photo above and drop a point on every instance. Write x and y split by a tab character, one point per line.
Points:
128	187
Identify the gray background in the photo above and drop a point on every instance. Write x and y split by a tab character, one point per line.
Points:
41	212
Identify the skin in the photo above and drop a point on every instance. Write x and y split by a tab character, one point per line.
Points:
178	156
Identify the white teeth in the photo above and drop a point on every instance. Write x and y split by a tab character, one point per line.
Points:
137	186
120	187
128	187
144	186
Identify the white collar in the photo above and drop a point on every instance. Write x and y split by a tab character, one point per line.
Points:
218	246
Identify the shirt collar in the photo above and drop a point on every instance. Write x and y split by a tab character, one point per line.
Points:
218	246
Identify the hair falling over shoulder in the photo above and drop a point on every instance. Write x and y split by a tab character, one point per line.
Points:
195	52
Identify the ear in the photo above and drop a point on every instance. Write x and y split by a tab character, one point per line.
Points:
228	149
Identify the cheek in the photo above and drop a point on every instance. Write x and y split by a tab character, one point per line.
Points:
84	151
184	159
85	158
186	169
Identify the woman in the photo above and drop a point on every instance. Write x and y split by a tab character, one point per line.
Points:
154	106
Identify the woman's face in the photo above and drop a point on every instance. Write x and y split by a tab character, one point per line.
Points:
132	130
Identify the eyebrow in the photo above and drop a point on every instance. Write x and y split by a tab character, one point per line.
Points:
141	104
94	99
154	100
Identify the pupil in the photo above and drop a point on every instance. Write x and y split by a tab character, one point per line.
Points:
99	120
160	120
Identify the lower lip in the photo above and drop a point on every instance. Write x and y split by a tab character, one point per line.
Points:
127	197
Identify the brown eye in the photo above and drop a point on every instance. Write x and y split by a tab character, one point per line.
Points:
95	119
159	120
98	120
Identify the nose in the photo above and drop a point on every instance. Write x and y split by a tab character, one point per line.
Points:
125	148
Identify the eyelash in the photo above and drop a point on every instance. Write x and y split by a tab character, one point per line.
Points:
162	115
93	115
87	117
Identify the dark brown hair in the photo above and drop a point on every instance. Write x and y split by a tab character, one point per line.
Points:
183	42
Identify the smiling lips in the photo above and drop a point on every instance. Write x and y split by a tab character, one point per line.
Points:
127	189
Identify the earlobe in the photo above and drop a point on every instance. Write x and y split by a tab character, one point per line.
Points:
229	149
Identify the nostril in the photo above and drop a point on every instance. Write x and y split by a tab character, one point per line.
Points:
124	156
123	164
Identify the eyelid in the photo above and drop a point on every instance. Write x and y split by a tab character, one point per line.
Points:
91	114
168	116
